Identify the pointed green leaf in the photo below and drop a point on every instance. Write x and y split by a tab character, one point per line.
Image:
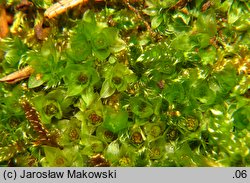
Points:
156	21
106	90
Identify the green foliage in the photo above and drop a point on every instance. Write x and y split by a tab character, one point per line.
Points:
52	105
79	78
141	107
47	64
166	87
226	79
68	157
117	77
42	3
70	132
14	50
206	23
115	121
90	38
174	92
203	92
241	118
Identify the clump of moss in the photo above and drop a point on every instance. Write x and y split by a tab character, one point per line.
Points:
128	84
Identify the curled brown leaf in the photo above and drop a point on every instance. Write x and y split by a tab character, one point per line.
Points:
18	75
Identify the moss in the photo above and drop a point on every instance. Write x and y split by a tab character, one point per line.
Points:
113	86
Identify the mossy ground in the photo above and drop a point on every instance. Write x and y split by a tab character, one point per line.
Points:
126	83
